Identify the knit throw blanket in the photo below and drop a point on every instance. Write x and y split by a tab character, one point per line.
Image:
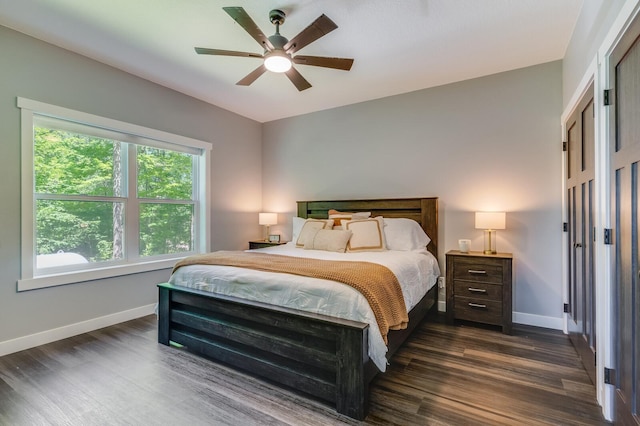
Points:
376	282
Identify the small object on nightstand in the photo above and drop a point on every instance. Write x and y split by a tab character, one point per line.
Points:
262	244
274	238
479	288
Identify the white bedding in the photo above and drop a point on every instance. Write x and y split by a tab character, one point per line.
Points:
417	272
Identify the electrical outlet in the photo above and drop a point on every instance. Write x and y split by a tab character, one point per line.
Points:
440	282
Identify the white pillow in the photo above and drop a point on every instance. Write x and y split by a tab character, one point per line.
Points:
328	240
309	229
368	234
405	234
298	223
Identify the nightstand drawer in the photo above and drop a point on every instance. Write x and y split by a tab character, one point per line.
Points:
476	270
481	291
473	309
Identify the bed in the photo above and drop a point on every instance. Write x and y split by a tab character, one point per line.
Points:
322	356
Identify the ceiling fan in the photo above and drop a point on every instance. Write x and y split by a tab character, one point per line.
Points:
278	50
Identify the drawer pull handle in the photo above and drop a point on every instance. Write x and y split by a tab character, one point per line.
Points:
477	271
478	305
477	290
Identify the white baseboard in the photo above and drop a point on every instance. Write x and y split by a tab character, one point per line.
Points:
538	320
44	337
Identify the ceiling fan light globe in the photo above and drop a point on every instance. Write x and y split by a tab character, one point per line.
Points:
277	62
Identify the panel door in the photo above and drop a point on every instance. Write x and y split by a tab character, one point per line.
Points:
625	155
580	186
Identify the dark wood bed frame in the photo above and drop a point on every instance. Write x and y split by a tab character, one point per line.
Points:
318	355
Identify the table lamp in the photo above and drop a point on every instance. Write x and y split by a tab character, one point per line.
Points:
490	221
267	219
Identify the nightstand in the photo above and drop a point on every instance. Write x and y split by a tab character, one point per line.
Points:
479	288
262	244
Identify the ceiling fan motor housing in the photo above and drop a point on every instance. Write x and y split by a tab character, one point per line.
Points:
278	41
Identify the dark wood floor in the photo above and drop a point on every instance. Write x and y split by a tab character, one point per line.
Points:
444	375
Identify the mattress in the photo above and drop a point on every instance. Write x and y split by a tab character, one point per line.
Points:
417	272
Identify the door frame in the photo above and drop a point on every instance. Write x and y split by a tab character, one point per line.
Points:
598	73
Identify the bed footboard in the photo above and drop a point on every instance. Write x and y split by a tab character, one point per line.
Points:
319	355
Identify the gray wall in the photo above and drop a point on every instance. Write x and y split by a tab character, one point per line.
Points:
491	143
39	71
594	21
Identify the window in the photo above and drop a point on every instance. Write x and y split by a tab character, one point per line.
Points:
102	198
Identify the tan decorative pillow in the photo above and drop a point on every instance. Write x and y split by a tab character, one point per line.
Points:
338	217
328	240
310	227
368	234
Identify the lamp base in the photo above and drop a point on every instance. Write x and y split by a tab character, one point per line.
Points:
490	241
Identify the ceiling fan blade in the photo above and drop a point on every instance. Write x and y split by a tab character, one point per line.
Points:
320	61
244	20
207	51
318	28
252	76
297	79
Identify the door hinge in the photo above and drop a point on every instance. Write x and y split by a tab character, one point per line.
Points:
608	236
609	376
565	227
566	308
606	97
564	146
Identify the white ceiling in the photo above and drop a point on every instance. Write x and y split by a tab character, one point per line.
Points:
398	45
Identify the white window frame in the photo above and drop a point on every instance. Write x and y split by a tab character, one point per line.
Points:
29	280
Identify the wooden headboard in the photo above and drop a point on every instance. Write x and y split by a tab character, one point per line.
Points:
422	210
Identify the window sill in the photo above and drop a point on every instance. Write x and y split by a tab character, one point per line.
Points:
52	280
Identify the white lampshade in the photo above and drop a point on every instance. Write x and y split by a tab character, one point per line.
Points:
277	61
490	220
267	218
